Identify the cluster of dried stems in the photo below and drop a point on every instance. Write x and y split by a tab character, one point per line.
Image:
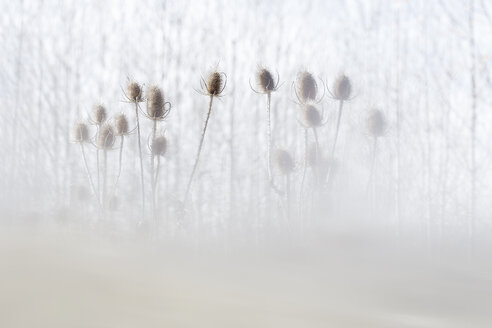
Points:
309	94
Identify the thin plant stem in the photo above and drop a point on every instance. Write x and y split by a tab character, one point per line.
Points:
152	157
141	160
105	177
98	177
305	166
119	162
269	134
340	110
89	175
197	158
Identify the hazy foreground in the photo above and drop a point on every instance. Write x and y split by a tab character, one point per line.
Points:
63	279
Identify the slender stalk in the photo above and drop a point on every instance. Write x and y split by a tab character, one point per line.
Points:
141	160
287	192
269	134
197	158
119	162
373	165
98	177
152	157
340	110
89	174
306	153
105	178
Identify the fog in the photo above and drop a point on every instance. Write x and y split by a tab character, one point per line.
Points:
245	163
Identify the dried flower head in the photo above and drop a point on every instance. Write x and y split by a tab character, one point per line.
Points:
80	132
106	137
99	114
265	81
311	116
156	106
159	146
307	88
283	161
134	92
215	84
121	125
376	123
342	88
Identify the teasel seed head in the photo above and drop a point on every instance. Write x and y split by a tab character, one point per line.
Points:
159	146
376	123
311	116
307	88
106	137
134	92
283	161
99	114
265	81
156	106
342	88
121	125
80	132
215	83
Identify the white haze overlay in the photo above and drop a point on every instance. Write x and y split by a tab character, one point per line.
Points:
388	224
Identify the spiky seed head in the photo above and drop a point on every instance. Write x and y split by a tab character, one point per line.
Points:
311	116
265	80
215	83
121	125
155	103
313	155
376	123
307	88
342	88
159	146
283	161
80	132
134	92
99	114
106	137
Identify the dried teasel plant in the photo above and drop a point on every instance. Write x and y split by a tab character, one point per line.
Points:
105	140
134	95
267	84
376	126
342	90
306	88
80	134
158	150
99	115
157	110
213	87
122	129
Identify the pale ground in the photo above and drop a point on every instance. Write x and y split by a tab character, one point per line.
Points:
66	280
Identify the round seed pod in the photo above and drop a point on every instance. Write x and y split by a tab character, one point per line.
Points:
265	80
106	137
134	92
99	114
155	103
307	88
121	125
215	83
159	146
311	116
376	123
80	132
283	161
342	88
